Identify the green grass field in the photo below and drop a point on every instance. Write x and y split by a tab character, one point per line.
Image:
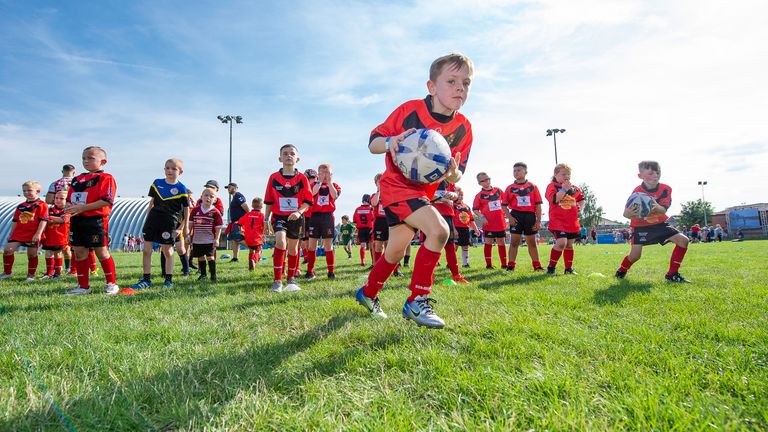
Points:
520	350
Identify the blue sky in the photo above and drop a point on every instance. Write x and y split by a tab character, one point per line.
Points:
680	82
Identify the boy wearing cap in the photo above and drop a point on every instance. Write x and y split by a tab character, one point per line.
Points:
237	209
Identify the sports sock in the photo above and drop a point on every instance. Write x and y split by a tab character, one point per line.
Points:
184	263
625	265
67	263
488	254
311	257
82	273
32	266
147	277
406	259
91	260
502	254
554	257
278	258
568	258
169	278
162	264
293	265
465	257
511	264
536	264
450	257
201	264
212	267
57	265
678	253
381	271
423	272
49	266
330	260
108	265
376	256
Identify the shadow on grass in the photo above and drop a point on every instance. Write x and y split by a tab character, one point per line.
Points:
616	293
195	394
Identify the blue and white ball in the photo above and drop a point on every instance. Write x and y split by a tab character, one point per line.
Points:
643	201
423	156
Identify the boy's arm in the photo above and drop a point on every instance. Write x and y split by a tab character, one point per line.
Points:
332	191
216	237
537	211
74	209
382	144
184	228
267	225
39	232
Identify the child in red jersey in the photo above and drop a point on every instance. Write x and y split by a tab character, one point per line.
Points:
89	202
407	204
488	205
463	220
443	202
380	226
287	198
565	200
522	206
29	222
205	224
321	224
252	224
363	218
56	236
653	228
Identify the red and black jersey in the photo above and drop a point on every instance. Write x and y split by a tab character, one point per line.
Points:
204	224
363	216
564	216
253	227
56	234
379	206
418	114
663	195
488	203
286	194
90	187
522	197
444	208
462	215
27	217
324	202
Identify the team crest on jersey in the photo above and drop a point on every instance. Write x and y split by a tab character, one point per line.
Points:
174	191
464	217
26	217
567	202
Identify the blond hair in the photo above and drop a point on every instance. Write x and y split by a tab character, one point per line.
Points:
559	167
455	60
32	183
178	163
324	165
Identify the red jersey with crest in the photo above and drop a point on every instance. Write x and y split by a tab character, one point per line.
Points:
522	197
88	188
379	207
287	193
462	215
324	202
456	129
204	224
363	216
488	203
253	227
444	208
663	195
56	234
27	217
564	216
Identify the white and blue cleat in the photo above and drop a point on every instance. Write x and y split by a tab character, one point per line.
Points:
371	304
421	312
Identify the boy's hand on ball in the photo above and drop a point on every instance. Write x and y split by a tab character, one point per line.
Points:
395	140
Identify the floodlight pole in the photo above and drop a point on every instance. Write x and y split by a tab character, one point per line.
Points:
553	133
703	183
231	119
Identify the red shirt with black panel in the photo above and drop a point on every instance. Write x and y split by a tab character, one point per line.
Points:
462	215
363	217
90	187
323	201
56	234
444	208
456	129
286	193
522	197
253	227
663	195
379	207
564	216
27	217
488	203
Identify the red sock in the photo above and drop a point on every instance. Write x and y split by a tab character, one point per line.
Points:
511	265
502	255
536	264
32	266
362	256
108	265
293	265
625	265
423	272
450	257
488	253
92	261
311	257
330	260
381	271
8	263
49	266
376	256
568	258
678	253
82	273
278	257
554	257
58	263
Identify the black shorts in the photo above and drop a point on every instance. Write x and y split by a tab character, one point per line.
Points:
451	227
201	250
160	229
321	225
526	222
89	231
653	234
397	212
25	244
292	229
566	235
363	235
381	229
53	248
463	239
494	234
235	234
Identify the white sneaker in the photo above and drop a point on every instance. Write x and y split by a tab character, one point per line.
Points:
30	279
277	286
78	291
5	276
112	289
292	286
420	310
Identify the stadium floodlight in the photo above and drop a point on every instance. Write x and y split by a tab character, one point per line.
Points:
238	119
703	183
553	133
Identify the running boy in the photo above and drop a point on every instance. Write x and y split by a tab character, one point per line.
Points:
29	221
565	200
89	202
55	236
407	204
167	217
252	224
347	230
522	207
287	197
205	223
321	225
653	228
488	207
363	219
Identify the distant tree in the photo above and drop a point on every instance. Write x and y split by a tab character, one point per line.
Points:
693	213
591	214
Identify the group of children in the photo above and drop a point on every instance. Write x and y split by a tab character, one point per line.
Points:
299	206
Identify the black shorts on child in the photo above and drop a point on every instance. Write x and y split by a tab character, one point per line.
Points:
463	239
526	222
88	231
201	250
160	229
380	229
653	234
292	229
320	225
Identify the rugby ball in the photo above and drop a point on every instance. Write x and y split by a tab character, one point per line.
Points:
423	156
643	202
